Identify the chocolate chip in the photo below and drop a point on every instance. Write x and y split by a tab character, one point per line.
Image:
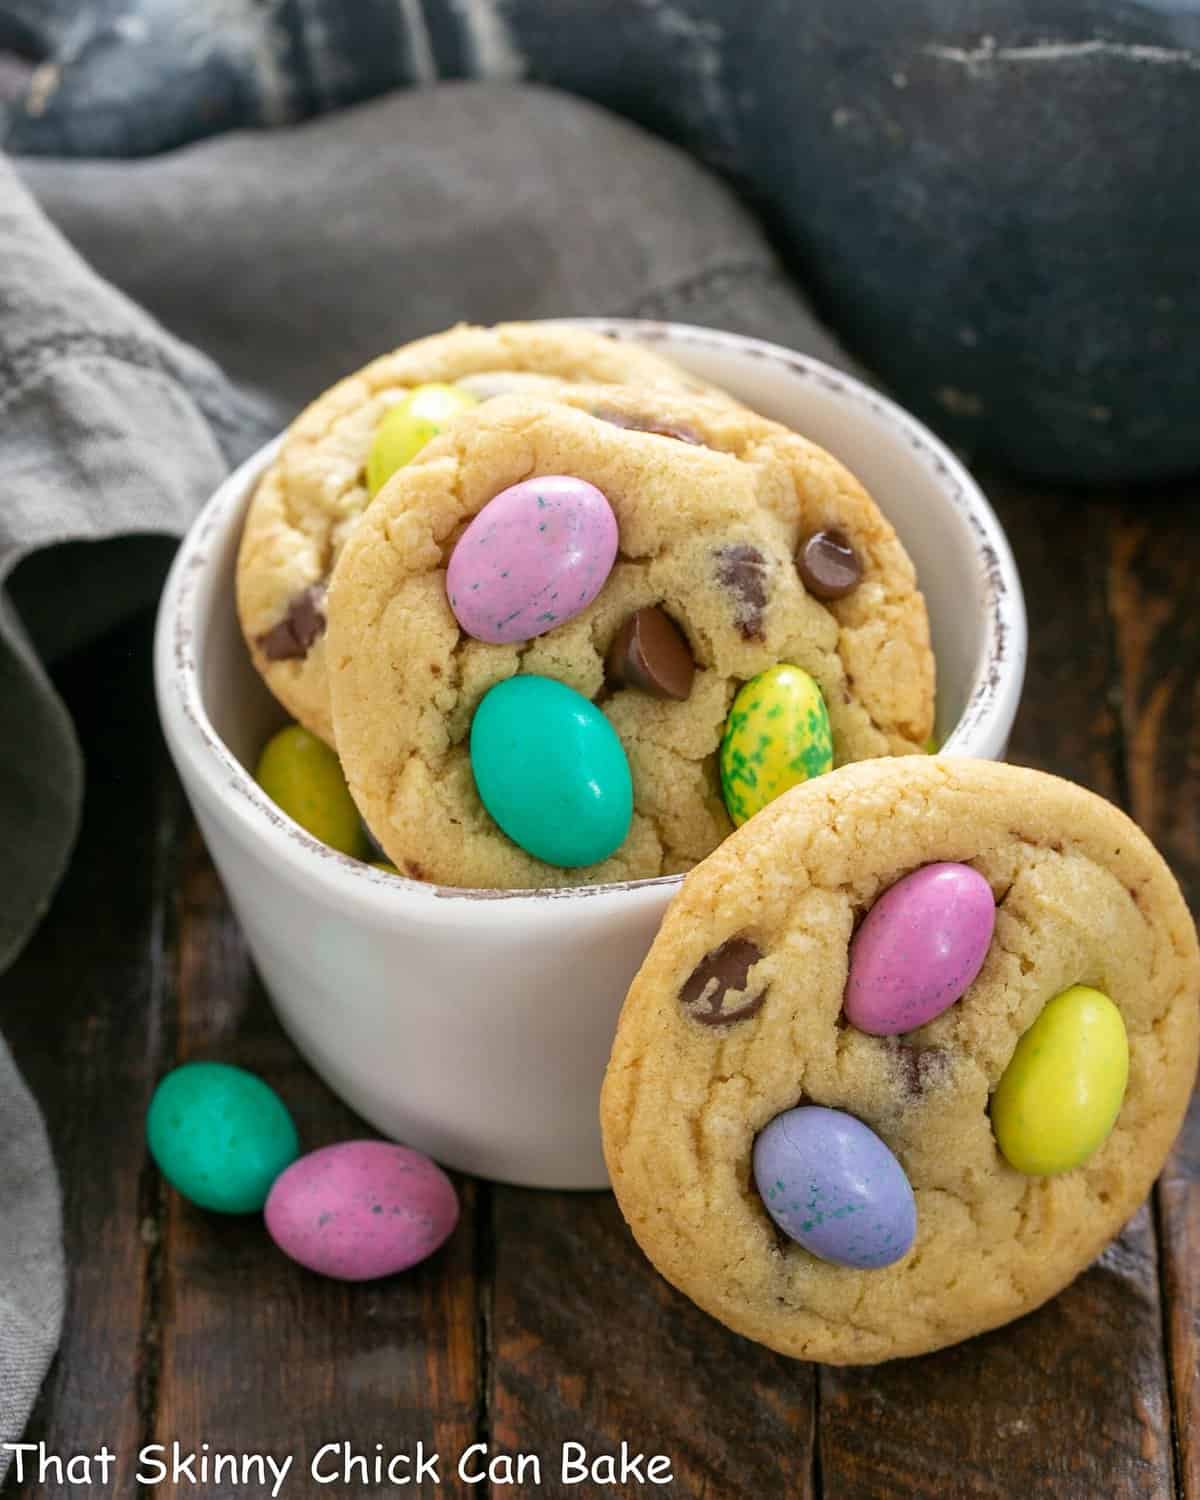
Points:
682	432
304	622
722	972
921	1069
650	652
828	565
742	569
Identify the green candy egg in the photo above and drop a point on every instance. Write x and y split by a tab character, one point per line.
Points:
303	777
777	735
409	425
220	1136
551	771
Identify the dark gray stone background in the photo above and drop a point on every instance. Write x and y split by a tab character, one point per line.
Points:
994	202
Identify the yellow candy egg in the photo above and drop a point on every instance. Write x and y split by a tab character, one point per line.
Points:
1061	1093
409	425
303	776
777	735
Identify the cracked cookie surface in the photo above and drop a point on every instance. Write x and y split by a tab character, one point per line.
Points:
708	530
313	494
1082	898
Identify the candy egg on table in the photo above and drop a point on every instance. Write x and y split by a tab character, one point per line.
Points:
220	1136
919	948
1061	1093
361	1209
831	1184
551	771
406	427
534	556
776	736
303	777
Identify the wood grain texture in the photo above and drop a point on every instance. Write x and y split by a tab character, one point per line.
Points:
83	1012
540	1323
591	1346
1155	600
259	1355
1071	1401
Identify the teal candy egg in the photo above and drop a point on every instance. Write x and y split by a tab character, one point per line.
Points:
220	1136
551	771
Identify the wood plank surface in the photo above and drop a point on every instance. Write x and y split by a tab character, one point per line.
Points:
1155	596
259	1355
83	1012
541	1324
591	1346
1071	1401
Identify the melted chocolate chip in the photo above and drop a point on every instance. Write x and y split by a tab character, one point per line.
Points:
682	432
291	639
742	570
722	972
650	652
921	1069
828	565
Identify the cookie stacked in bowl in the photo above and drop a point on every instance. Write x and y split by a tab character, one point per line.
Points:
565	615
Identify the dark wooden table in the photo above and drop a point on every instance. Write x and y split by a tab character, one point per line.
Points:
540	1324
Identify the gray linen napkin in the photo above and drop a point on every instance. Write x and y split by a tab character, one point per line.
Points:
224	285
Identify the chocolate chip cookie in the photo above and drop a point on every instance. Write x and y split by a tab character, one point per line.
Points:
311	497
645	550
848	1190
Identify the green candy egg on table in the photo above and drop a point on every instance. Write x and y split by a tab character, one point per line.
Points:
1061	1093
220	1136
411	423
551	771
777	735
303	777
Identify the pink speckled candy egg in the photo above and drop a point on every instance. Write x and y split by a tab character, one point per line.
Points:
534	556
919	948
361	1209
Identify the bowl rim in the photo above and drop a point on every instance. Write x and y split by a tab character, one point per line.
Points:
988	714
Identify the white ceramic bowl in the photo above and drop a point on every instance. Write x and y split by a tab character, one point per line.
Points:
476	1025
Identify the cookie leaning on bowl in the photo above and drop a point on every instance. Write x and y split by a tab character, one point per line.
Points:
775	1138
311	497
695	592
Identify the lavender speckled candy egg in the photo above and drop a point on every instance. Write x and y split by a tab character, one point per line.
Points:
834	1187
534	556
919	948
361	1209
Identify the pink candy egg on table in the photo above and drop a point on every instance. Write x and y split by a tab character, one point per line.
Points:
534	556
919	948
361	1209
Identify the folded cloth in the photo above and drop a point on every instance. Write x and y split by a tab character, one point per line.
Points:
161	318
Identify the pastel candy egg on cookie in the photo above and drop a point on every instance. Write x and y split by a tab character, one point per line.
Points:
361	1209
919	948
220	1136
832	1185
535	555
1060	1095
551	771
777	735
416	419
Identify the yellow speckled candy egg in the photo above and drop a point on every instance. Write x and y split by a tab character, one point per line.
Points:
776	736
1061	1093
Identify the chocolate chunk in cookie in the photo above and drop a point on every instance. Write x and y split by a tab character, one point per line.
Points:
651	652
682	432
292	638
828	565
719	975
742	572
